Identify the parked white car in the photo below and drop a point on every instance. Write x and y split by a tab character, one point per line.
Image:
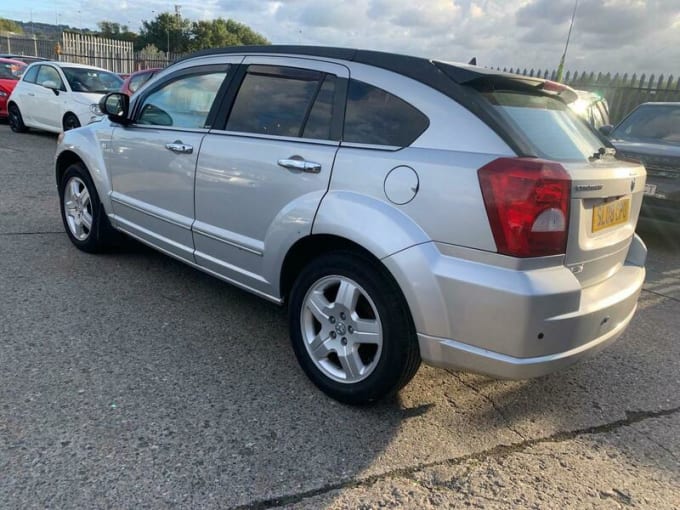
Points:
58	96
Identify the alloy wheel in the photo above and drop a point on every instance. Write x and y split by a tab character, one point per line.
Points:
341	329
78	208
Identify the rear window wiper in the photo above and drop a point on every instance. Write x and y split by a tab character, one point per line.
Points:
603	152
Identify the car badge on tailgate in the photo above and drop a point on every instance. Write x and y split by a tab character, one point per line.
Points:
589	187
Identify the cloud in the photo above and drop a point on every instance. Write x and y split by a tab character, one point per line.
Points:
609	35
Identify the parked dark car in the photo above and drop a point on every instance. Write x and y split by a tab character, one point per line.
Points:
651	134
137	79
26	59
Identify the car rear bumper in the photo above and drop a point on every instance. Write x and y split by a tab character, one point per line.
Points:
514	324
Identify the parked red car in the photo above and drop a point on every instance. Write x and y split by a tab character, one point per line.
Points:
10	72
137	79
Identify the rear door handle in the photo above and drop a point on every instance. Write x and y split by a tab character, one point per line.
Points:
178	147
301	164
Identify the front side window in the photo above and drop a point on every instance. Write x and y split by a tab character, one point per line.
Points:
376	117
184	102
82	79
49	77
281	101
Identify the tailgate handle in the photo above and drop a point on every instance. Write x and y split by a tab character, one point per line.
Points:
299	163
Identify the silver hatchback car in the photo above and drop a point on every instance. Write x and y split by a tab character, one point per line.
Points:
404	209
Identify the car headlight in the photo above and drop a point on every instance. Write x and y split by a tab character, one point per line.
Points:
3	93
94	108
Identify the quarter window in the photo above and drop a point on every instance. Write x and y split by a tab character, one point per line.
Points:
184	102
31	74
281	101
376	117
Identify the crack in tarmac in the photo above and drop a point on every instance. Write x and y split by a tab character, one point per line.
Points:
491	401
499	451
661	295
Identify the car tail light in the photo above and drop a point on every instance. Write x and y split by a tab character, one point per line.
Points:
527	201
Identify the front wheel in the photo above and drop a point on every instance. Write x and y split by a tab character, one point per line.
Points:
84	218
70	122
351	329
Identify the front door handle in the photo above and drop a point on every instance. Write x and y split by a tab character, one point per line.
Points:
299	163
31	94
178	147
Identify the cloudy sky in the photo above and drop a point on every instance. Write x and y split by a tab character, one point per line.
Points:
608	35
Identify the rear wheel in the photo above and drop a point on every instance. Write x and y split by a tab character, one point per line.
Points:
16	121
84	218
351	328
70	122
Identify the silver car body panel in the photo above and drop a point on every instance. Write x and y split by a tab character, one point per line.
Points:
473	308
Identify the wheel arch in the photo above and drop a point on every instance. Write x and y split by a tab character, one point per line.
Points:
307	248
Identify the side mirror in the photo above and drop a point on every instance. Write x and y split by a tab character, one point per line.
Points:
116	106
607	129
52	85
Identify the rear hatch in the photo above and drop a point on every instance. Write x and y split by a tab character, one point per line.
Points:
605	193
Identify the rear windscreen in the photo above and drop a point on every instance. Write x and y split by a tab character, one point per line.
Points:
553	130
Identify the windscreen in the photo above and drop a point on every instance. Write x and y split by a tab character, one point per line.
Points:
554	131
82	79
653	123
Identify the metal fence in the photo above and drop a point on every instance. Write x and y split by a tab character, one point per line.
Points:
116	56
24	45
623	92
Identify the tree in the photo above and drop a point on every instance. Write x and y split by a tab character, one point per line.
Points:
167	32
112	30
220	32
7	25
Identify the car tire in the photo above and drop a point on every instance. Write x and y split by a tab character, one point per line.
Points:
16	121
84	218
351	328
70	122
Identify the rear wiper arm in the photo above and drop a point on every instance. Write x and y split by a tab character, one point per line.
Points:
602	152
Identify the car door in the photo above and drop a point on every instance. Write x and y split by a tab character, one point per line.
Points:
49	93
153	159
24	94
261	176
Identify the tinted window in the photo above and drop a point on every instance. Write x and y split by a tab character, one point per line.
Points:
31	74
319	121
553	129
276	101
49	74
654	123
377	117
184	102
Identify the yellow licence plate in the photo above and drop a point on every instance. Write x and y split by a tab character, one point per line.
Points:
610	214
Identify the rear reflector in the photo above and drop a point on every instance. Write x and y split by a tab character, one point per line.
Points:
527	202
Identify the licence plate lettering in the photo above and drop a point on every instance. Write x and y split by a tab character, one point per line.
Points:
611	214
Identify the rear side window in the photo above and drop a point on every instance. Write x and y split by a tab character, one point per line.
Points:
31	74
374	116
554	131
281	101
